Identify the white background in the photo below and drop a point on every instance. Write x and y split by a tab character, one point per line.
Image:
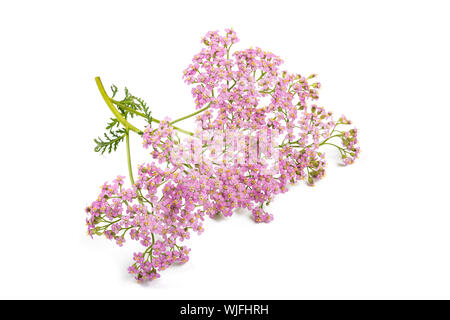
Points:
377	229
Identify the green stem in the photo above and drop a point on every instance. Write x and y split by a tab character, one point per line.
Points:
176	128
130	170
110	102
127	108
183	131
140	197
192	114
119	117
152	119
228	52
330	137
262	75
229	89
334	128
340	148
296	142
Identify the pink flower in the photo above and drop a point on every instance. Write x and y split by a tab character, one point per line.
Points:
241	94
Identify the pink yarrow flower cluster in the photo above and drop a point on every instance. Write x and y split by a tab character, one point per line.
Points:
234	93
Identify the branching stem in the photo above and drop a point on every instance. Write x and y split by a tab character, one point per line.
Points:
111	106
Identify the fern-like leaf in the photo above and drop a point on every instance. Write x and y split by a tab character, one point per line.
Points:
110	142
115	133
114	123
132	102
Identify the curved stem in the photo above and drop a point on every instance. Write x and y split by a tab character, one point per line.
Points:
192	114
119	117
334	128
330	137
123	121
176	128
183	131
228	51
127	108
262	75
229	89
152	119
